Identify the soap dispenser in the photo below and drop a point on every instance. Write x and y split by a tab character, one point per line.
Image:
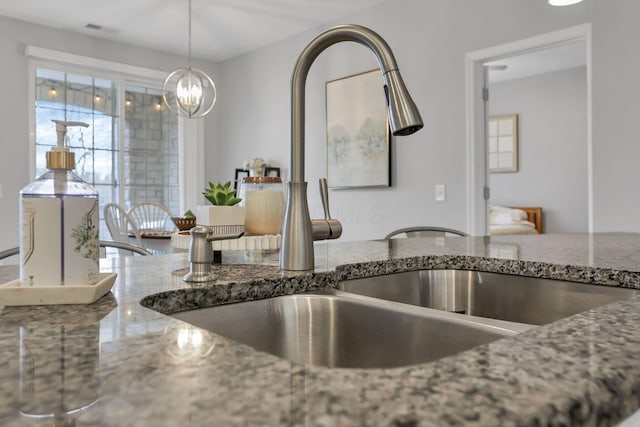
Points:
59	243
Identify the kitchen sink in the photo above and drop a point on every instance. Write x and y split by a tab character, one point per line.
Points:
498	296
341	330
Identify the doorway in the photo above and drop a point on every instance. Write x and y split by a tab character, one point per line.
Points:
477	74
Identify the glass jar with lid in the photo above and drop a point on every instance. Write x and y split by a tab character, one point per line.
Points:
263	201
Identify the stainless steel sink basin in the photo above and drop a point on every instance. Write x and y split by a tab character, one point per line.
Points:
497	296
340	330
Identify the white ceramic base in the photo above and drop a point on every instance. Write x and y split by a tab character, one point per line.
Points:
14	293
267	242
219	215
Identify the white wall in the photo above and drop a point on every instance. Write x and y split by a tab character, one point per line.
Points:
14	160
430	40
616	112
552	115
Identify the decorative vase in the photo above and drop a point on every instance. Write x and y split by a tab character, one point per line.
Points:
256	171
263	200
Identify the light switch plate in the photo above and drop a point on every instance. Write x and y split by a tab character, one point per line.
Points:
440	193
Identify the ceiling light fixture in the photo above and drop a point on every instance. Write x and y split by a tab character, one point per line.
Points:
563	2
189	91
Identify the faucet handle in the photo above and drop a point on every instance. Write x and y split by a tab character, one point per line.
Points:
324	195
327	228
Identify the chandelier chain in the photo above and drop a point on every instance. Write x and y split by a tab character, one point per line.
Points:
189	37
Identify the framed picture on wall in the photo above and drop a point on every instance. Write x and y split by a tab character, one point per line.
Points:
503	143
272	171
240	173
358	136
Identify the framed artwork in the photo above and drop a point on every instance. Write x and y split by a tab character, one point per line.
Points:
270	171
240	173
358	135
503	143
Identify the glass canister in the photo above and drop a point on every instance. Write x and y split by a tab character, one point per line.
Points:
263	201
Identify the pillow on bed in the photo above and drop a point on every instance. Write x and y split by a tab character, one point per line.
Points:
504	215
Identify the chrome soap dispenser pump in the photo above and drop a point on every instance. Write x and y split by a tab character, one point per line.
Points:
59	223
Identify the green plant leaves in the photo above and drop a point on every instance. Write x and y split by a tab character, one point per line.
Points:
221	194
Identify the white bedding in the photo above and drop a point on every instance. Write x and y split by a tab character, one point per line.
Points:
525	227
503	220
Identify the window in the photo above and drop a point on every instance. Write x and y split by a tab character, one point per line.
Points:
503	143
130	152
150	153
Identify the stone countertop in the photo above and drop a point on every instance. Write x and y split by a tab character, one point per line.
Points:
117	363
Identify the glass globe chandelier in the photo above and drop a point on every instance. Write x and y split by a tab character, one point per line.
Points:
189	91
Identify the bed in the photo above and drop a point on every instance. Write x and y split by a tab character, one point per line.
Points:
515	220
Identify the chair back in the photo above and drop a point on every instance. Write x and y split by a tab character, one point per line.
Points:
9	252
152	216
122	246
425	231
133	249
120	225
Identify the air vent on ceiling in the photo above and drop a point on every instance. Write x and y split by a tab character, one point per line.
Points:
93	27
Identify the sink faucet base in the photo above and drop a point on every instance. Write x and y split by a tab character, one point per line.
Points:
297	232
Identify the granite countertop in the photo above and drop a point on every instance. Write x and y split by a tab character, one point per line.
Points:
118	363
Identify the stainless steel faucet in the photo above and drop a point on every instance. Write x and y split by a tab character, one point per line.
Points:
298	230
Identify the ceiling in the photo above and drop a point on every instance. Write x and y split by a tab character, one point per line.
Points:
221	29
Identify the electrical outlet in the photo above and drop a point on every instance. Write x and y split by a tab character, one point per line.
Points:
441	194
0	191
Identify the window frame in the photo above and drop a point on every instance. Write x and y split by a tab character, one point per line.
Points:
191	132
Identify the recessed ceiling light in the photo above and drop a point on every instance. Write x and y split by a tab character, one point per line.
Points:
563	2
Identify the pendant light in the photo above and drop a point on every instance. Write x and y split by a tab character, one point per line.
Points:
189	91
563	2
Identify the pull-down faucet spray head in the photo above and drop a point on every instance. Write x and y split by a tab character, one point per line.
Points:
404	117
298	231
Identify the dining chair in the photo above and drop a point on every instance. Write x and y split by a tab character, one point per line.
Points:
424	231
152	216
9	252
121	226
123	246
103	244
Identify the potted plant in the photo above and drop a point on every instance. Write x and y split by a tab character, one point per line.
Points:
224	209
185	222
255	165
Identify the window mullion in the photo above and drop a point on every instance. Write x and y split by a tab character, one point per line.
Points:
121	139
